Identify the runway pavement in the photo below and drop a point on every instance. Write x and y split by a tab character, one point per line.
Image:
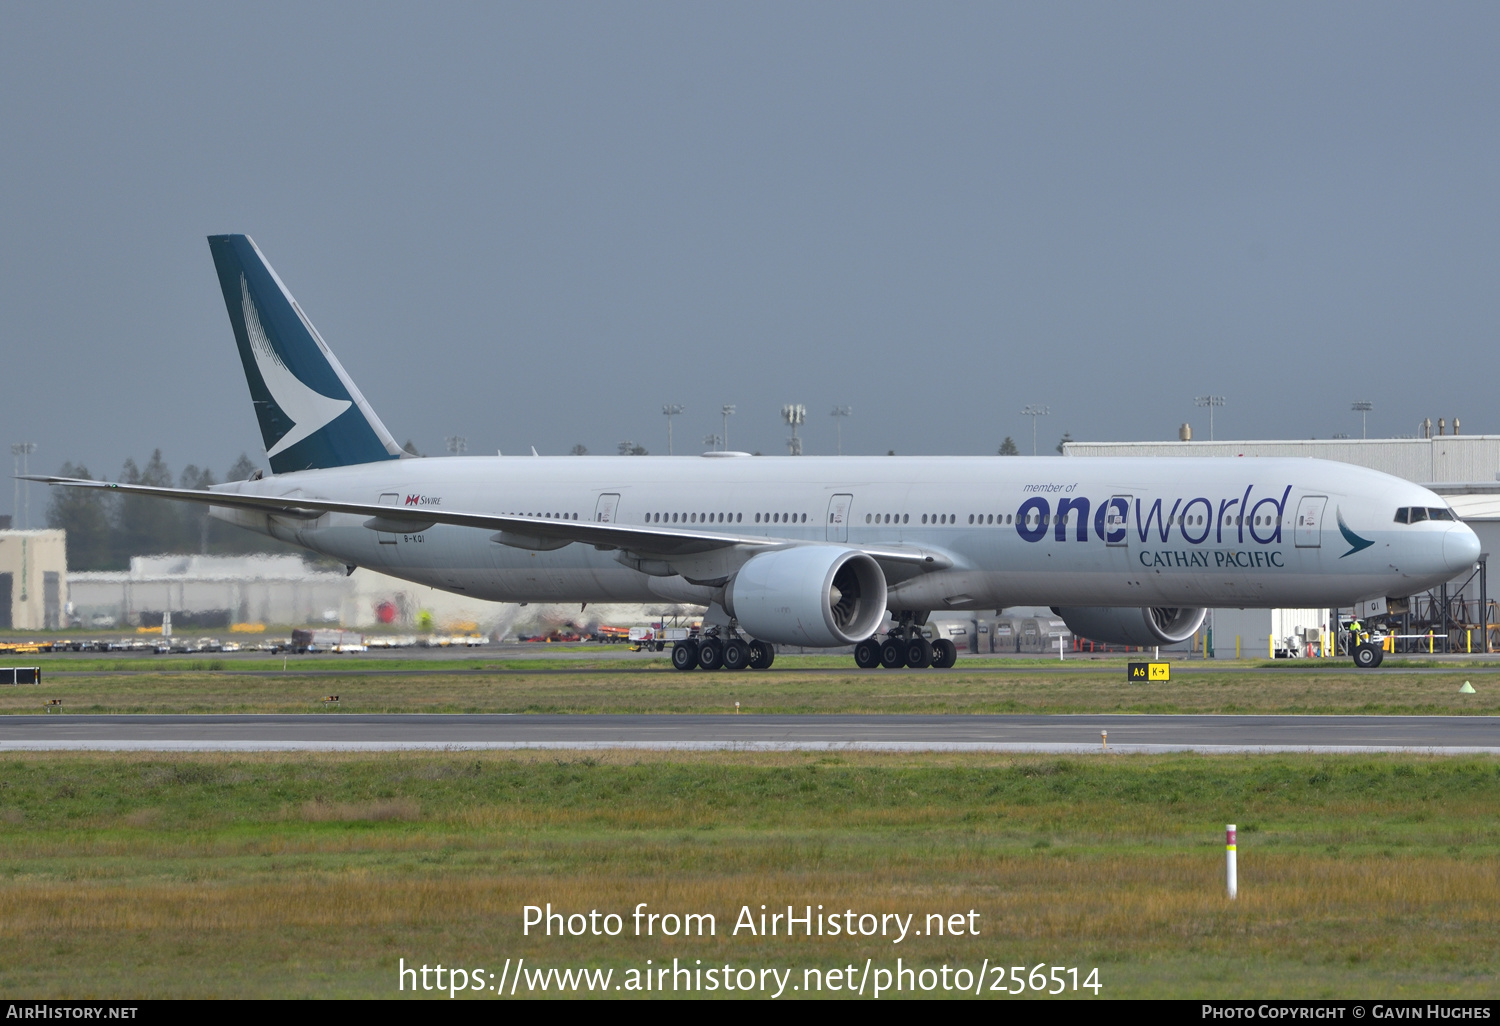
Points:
1453	735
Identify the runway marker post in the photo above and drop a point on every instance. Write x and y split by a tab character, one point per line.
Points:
1103	740
1229	860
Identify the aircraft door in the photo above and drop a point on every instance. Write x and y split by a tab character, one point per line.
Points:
604	512
838	517
388	499
1310	521
1116	516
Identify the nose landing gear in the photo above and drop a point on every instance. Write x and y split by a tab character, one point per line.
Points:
1368	655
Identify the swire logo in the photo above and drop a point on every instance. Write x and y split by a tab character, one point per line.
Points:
423	500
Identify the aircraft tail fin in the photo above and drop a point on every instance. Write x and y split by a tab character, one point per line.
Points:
311	413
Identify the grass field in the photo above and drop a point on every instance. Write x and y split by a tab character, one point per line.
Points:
140	875
797	684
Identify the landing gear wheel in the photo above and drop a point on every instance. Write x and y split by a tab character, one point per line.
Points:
736	654
867	654
893	653
1368	656
711	654
762	655
944	654
685	655
919	653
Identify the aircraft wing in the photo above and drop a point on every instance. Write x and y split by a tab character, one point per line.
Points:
650	540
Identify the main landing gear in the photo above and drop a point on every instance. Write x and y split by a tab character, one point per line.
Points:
905	646
731	652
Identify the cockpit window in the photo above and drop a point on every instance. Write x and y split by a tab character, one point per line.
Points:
1417	514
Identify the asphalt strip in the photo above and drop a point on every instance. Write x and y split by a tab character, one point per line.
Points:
725	746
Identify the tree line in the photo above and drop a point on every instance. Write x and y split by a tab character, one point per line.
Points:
105	528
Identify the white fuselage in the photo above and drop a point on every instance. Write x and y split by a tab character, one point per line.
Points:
1016	531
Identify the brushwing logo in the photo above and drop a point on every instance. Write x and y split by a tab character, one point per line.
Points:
309	411
1356	543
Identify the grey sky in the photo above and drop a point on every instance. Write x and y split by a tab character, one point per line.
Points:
535	224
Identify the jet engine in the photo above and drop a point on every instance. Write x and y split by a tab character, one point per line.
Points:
1152	625
815	595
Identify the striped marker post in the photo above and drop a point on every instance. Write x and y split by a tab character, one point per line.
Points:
1229	853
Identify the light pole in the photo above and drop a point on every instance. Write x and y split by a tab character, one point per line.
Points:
713	441
1363	408
457	444
794	415
671	410
728	410
1034	411
1210	401
839	413
21	450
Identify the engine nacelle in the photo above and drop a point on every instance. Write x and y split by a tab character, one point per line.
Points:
1143	627
815	595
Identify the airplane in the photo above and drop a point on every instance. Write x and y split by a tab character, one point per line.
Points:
809	551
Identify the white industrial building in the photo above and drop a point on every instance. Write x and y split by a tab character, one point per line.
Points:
285	590
216	590
1464	469
1460	458
33	580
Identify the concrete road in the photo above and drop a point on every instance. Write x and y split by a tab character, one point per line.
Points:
1081	733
